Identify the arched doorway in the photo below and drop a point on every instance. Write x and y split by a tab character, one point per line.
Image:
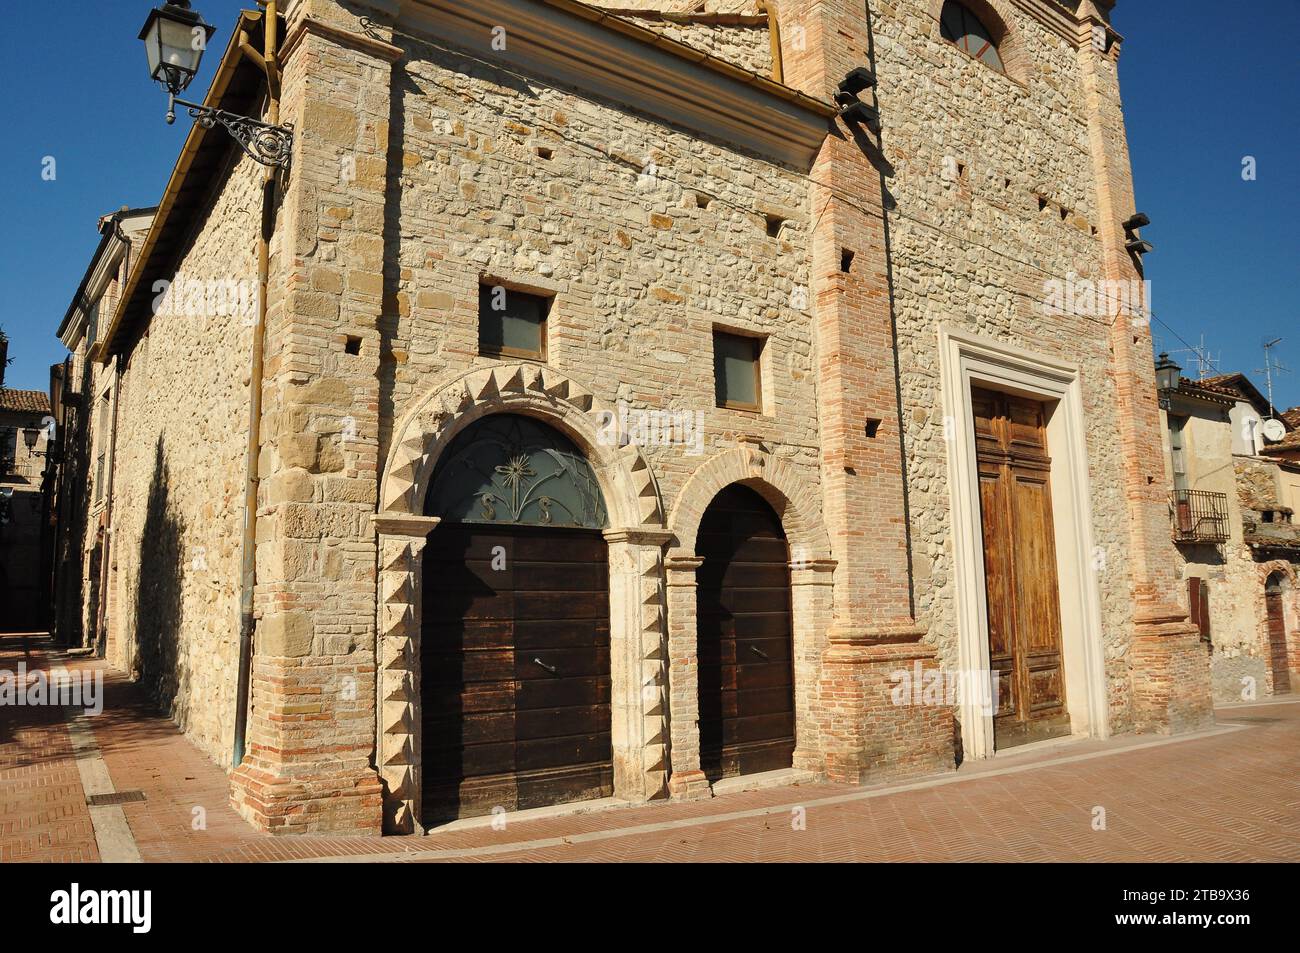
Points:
744	633
515	641
1277	634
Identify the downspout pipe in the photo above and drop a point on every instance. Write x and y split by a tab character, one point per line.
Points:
774	36
106	554
252	479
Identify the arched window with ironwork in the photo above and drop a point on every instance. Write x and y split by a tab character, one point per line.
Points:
970	34
514	470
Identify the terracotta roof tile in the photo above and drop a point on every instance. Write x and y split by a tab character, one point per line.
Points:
24	401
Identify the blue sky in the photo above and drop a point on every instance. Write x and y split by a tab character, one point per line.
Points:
1204	86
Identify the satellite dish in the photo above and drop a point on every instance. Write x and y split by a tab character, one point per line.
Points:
1274	430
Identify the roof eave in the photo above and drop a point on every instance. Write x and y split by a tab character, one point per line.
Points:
230	61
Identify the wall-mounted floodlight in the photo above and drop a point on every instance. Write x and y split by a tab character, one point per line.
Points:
1139	220
860	113
857	81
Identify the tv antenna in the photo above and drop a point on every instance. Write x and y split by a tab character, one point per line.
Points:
1207	364
1270	365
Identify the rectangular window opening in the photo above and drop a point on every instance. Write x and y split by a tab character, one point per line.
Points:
737	370
353	345
774	225
846	260
512	323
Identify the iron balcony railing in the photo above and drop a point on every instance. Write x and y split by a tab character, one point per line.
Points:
26	468
1200	516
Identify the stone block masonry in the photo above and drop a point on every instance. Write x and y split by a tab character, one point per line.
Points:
425	168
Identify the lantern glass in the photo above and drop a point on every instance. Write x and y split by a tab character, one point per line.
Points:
1167	373
175	39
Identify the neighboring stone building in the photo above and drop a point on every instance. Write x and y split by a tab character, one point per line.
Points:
632	421
84	582
25	434
1232	510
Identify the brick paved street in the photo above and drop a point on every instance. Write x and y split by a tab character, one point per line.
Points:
1231	794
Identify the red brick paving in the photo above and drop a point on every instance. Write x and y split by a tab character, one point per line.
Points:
1230	796
43	814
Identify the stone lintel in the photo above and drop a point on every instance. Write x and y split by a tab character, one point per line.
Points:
638	536
404	524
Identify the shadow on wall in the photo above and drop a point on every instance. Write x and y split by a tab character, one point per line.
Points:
159	606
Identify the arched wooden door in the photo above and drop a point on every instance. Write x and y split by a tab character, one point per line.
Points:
745	643
515	675
1277	635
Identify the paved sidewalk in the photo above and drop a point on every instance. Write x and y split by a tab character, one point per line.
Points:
1231	794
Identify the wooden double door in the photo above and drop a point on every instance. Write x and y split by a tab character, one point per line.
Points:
1024	614
515	669
745	644
1277	637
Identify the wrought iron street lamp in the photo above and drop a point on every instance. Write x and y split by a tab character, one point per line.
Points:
175	39
1167	373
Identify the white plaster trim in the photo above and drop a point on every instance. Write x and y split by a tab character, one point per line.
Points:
967	359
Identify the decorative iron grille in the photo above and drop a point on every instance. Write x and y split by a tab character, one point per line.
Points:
1200	516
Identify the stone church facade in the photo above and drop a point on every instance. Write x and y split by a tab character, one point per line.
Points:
794	362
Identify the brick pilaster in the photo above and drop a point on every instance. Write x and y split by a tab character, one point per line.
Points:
873	632
1162	633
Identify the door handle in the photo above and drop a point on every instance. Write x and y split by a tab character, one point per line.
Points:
759	652
550	668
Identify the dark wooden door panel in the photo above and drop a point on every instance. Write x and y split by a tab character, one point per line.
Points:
745	646
1022	586
515	669
1277	643
560	605
539	694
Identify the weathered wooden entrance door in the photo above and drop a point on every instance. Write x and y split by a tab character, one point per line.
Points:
746	674
1024	616
515	637
1277	637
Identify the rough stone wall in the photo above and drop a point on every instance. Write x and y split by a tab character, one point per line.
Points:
20	537
1258	488
610	224
744	45
178	493
88	502
70	556
996	196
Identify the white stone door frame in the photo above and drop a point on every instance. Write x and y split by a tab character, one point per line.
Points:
967	360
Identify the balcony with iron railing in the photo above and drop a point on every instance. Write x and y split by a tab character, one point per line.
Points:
1200	516
18	470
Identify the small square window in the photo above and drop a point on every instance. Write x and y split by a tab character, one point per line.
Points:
511	323
737	373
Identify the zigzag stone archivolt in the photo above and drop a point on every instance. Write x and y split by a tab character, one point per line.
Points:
631	492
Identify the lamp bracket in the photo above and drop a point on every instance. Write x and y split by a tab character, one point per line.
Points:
262	142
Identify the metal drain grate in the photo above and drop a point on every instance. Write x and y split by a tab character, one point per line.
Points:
118	797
